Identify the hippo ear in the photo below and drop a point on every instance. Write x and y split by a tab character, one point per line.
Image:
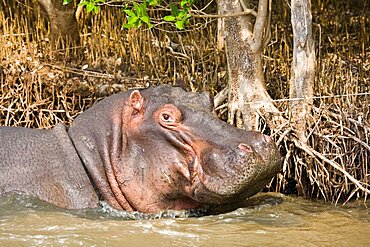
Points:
136	100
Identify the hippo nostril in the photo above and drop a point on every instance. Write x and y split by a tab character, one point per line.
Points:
245	148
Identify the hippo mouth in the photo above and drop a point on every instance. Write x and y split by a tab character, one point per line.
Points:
219	176
205	187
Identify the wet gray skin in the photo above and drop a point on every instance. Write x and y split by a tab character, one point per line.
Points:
162	148
143	150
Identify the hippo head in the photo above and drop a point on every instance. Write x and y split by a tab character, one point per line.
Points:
162	148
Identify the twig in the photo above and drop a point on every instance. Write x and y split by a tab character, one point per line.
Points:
334	164
313	97
246	12
259	25
221	97
93	73
360	141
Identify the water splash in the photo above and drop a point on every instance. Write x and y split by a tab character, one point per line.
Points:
166	214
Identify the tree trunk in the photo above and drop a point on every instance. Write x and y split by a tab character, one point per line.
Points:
63	23
303	67
244	44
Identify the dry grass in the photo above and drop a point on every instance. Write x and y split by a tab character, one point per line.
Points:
38	90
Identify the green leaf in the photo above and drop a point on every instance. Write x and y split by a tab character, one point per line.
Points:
169	18
181	14
89	7
129	12
96	9
174	9
128	26
179	25
150	25
137	9
143	9
184	2
65	2
153	2
185	17
145	19
133	20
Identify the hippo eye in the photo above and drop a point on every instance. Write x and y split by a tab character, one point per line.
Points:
167	117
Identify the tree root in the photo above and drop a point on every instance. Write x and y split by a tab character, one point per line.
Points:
334	163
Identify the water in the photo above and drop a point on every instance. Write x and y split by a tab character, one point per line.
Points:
274	220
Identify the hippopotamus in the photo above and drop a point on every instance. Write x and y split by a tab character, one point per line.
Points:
147	150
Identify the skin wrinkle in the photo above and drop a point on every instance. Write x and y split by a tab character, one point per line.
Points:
176	141
96	175
112	168
110	174
148	147
134	111
186	138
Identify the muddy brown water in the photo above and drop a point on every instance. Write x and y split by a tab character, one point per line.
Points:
276	220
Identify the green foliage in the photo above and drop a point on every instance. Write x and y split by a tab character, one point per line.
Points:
137	13
91	5
66	2
154	2
180	16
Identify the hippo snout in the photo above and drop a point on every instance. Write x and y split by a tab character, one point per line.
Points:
237	170
260	143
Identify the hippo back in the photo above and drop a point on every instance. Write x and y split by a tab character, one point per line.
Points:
44	163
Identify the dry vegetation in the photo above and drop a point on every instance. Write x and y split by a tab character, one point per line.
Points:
41	87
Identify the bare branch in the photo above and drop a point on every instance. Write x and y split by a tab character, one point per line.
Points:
260	25
267	37
245	12
245	8
303	66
